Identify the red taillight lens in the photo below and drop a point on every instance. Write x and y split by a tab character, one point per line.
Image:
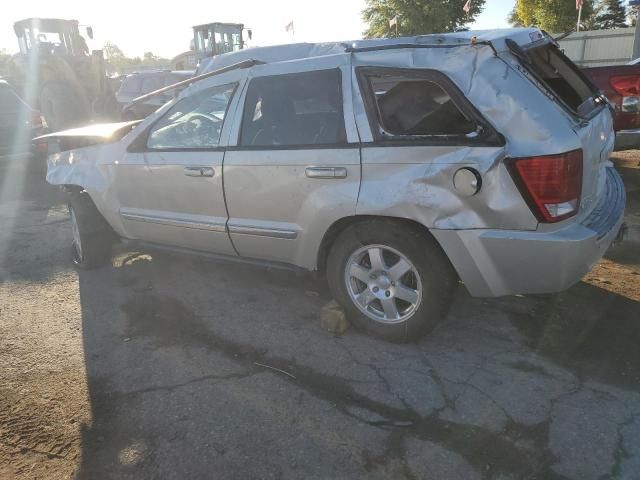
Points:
551	184
626	85
36	119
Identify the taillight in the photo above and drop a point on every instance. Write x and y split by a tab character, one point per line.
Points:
551	184
628	87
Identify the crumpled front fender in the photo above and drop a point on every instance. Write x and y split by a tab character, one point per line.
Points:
83	167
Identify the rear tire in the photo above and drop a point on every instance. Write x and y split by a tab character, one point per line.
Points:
393	280
93	237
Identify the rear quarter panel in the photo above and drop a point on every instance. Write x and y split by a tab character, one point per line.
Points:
417	182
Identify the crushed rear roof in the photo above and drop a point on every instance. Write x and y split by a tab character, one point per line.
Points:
296	51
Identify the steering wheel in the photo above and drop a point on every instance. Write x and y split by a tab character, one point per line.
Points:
198	127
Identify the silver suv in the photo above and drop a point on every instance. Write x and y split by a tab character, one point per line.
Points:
395	167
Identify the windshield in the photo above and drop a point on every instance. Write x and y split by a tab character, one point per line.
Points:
217	39
50	41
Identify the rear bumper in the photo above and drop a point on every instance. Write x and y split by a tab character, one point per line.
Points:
493	263
627	140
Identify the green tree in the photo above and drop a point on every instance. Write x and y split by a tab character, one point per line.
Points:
633	15
112	52
613	15
513	19
417	17
554	16
117	61
150	57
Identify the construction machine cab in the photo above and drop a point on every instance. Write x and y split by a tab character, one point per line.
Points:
216	38
51	36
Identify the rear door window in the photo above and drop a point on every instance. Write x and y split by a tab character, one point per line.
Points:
294	109
560	76
149	84
131	85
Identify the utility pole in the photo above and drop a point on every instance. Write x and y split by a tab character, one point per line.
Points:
636	36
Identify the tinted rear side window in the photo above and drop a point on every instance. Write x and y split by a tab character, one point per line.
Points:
562	78
294	109
131	84
149	84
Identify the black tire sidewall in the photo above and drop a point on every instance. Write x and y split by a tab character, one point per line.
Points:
436	275
96	236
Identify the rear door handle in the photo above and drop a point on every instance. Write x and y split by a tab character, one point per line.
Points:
325	172
199	171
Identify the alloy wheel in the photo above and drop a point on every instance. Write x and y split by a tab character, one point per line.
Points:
383	283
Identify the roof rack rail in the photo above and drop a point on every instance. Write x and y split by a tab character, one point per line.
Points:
353	48
244	64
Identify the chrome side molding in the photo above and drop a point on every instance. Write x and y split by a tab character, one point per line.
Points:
263	232
175	222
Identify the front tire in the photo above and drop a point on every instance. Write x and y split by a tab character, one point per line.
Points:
393	280
93	237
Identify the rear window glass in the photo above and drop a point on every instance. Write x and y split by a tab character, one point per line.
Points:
410	106
562	78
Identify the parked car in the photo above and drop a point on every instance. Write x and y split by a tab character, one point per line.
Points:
388	165
621	85
19	123
138	84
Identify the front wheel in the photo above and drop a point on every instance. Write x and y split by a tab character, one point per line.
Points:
392	279
92	237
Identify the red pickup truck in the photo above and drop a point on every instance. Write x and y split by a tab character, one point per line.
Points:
621	85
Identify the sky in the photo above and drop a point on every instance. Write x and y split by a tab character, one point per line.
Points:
166	30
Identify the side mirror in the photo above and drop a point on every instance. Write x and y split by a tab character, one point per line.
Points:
90	32
249	33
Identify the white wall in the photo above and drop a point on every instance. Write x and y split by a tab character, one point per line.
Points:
599	47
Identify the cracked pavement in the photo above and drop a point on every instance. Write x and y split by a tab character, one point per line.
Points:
168	366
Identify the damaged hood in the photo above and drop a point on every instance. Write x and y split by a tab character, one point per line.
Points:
85	136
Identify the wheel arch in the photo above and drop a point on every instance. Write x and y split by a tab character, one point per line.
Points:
342	224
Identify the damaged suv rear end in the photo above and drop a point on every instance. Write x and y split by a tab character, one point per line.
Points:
558	137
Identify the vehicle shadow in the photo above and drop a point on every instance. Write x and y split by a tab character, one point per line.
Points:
588	330
198	368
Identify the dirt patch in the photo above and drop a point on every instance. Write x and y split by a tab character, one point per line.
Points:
40	424
619	271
